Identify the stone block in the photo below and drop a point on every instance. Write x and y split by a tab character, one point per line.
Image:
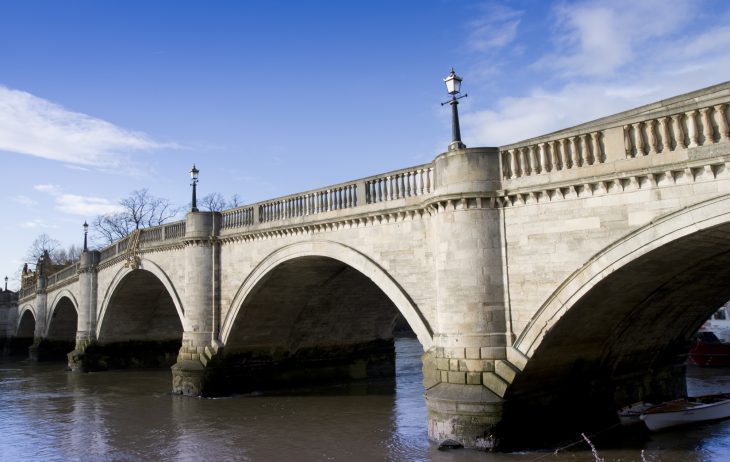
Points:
473	378
494	383
442	364
457	377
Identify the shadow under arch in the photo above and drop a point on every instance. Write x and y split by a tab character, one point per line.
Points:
618	330
345	255
119	277
140	321
58	304
658	233
61	325
315	312
24	332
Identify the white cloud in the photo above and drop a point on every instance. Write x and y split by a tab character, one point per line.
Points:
37	127
74	204
37	223
496	28
607	57
25	200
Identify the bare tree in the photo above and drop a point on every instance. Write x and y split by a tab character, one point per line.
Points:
235	201
41	245
139	210
66	256
213	202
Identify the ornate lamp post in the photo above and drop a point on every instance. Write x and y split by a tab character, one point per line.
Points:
86	233
194	175
453	86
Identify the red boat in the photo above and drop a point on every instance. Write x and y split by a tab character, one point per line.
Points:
708	350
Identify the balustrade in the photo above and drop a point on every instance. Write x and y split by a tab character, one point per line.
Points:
553	155
689	129
399	185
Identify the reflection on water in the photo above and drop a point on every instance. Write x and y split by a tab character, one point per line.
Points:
49	414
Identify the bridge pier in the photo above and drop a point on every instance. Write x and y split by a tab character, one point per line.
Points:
463	392
86	312
35	352
191	374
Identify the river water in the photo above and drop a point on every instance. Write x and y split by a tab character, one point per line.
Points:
47	414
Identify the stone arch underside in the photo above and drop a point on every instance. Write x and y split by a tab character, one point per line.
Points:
625	339
140	324
310	319
61	331
18	345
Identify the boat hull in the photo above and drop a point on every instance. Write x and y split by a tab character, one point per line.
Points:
683	412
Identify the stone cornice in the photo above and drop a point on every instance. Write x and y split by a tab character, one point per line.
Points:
649	177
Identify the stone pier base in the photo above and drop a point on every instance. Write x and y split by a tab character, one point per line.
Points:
468	414
261	369
122	355
49	350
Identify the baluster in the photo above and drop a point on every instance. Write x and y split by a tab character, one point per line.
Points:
512	159
534	164
722	124
692	128
678	131
408	178
524	162
380	189
627	142
652	136
554	155
707	131
597	154
585	153
402	186
429	172
543	158
639	138
574	155
564	154
664	131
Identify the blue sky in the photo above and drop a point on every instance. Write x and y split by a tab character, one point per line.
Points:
268	98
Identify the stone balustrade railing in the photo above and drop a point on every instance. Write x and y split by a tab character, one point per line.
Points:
26	292
323	200
618	142
416	181
400	184
66	273
565	153
162	233
693	128
239	217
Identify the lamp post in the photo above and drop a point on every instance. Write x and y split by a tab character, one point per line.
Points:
6	283
453	86
194	175
86	233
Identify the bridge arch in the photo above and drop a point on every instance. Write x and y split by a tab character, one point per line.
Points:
25	326
618	330
122	276
708	215
345	255
62	319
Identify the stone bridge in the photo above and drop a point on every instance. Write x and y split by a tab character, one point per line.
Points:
548	280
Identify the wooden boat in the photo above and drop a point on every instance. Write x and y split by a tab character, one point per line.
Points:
708	350
687	411
630	415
